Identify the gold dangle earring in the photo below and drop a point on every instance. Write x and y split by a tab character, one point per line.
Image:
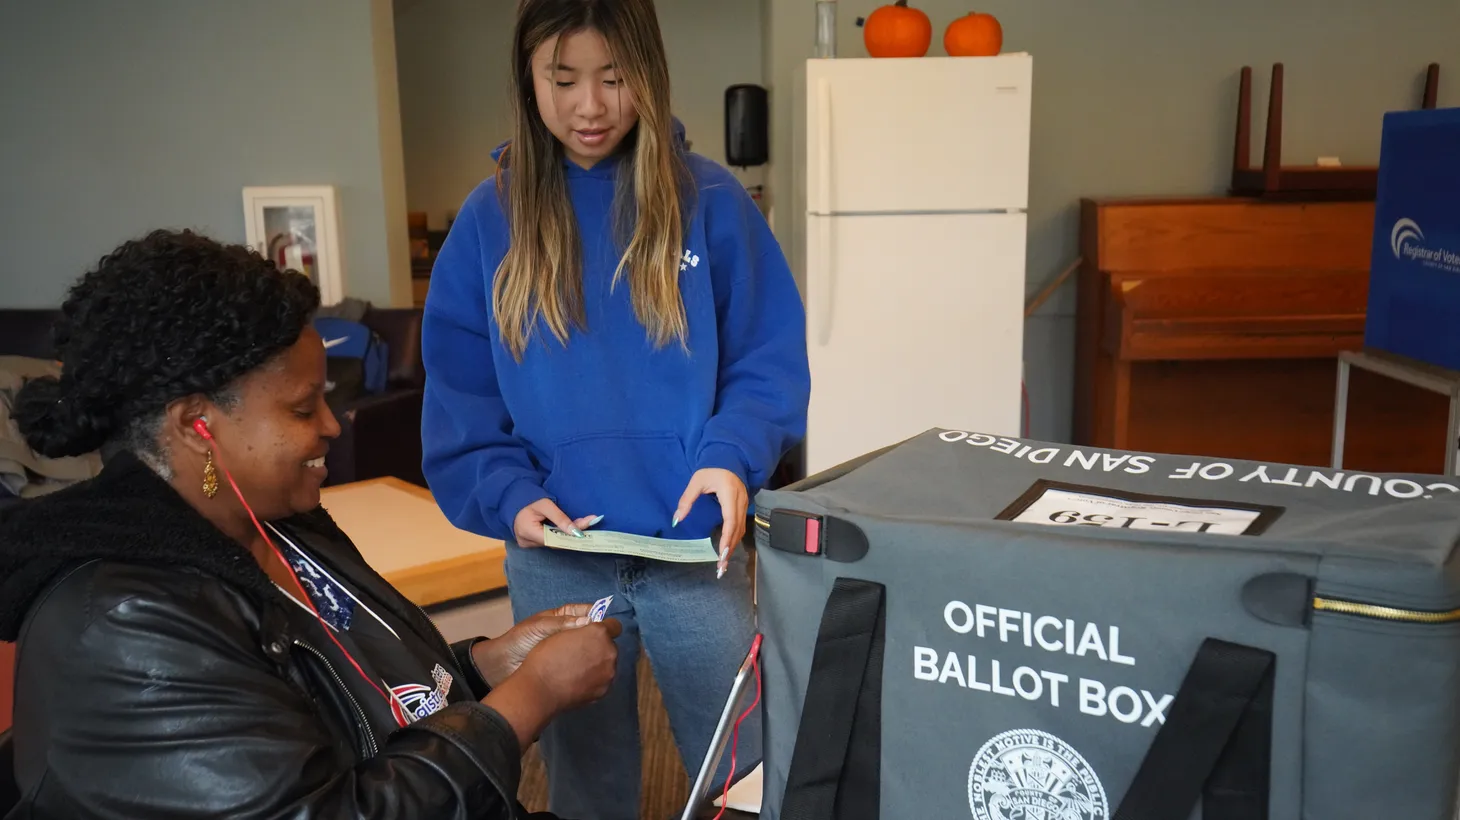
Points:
210	477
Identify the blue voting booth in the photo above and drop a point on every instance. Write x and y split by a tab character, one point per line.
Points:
1414	282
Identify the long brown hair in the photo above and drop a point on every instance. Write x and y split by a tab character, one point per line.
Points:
541	276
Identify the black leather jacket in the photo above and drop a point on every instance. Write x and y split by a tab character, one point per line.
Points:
159	677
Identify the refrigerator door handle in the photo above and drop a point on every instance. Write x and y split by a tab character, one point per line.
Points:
823	275
823	147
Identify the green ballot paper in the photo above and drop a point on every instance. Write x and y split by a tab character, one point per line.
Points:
621	543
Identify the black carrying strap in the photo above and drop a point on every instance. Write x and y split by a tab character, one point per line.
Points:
836	768
1216	743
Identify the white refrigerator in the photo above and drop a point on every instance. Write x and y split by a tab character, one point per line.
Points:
916	195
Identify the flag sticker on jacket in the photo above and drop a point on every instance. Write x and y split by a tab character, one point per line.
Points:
412	701
335	606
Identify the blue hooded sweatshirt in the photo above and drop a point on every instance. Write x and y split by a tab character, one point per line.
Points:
609	424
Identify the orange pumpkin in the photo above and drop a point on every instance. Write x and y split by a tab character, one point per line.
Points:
896	31
974	35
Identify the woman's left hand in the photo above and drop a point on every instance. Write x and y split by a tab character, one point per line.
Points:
499	657
734	501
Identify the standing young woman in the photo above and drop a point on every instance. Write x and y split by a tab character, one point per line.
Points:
612	334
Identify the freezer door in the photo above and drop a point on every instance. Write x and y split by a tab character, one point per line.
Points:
913	322
926	135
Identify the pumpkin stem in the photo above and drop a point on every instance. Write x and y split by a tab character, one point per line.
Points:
902	3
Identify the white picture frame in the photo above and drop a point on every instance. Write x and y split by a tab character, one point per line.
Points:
297	226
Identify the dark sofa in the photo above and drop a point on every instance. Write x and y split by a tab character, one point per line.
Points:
380	435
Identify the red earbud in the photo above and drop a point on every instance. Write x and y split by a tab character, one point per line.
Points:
201	425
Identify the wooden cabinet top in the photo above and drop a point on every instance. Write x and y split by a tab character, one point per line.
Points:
1225	233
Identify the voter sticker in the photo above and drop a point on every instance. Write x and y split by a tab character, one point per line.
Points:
1054	503
600	609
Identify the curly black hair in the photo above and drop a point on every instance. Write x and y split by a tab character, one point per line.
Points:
166	316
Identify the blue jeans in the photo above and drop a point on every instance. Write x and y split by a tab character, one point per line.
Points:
696	630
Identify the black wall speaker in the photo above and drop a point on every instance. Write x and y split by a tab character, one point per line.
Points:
747	129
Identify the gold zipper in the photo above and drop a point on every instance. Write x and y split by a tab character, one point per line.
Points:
763	523
1385	613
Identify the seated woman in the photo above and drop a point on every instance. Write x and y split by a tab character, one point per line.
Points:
196	636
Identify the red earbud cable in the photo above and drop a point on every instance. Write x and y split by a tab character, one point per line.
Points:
735	737
203	431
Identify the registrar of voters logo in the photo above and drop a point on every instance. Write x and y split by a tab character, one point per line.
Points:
1405	232
1026	773
1407	241
412	701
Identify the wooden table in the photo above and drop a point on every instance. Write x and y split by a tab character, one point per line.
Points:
407	539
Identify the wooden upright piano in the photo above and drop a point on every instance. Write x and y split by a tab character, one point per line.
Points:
1212	327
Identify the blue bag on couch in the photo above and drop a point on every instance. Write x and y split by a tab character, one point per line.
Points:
358	359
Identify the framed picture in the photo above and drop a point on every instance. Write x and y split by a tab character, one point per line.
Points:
297	226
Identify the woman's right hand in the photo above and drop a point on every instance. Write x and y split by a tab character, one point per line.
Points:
528	525
569	669
576	666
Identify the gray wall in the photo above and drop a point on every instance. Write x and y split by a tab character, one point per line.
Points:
1138	97
120	117
454	62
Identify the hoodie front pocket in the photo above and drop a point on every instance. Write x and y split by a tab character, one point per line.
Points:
633	480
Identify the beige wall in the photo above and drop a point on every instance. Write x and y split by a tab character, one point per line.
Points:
397	260
453	64
790	28
1135	97
120	118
